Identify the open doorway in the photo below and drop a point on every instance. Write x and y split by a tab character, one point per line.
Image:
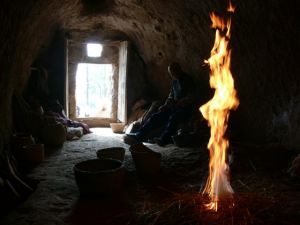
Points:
94	90
97	82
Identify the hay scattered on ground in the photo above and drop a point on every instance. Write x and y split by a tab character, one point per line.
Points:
188	209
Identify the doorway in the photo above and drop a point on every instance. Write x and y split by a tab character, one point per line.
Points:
94	89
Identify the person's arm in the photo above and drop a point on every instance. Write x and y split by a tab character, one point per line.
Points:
169	101
190	96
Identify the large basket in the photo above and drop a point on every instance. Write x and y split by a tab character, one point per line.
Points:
99	176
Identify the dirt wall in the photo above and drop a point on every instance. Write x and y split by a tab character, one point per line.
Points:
265	51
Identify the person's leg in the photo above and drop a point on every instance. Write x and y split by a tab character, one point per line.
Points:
156	120
174	119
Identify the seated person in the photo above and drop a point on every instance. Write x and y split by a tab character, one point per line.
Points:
178	107
54	109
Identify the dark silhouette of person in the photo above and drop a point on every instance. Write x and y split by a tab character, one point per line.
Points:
178	107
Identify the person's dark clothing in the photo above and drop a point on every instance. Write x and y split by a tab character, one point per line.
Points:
181	89
168	119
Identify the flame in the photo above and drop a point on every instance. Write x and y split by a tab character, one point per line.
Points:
217	110
231	7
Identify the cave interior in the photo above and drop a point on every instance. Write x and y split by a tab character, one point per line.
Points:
263	131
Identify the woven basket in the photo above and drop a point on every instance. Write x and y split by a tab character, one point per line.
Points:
117	127
117	153
99	176
147	162
33	153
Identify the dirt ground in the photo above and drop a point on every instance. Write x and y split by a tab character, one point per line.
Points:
264	192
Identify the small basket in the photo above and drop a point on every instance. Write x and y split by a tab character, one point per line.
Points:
146	161
22	139
33	153
117	127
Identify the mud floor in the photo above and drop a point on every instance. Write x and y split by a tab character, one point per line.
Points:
270	195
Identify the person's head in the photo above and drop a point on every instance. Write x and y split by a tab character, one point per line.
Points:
175	70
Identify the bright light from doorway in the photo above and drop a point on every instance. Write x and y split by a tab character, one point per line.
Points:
94	50
94	90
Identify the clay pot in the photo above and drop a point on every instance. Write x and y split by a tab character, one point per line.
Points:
54	134
99	176
117	153
33	153
146	161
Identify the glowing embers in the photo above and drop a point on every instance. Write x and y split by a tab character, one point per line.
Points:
216	111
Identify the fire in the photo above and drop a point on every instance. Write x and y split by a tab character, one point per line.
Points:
217	110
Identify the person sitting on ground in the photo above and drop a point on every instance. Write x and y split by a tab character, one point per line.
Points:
178	107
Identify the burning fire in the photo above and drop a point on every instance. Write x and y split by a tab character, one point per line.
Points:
217	110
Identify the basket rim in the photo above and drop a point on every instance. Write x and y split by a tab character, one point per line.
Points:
146	151
111	148
76	169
